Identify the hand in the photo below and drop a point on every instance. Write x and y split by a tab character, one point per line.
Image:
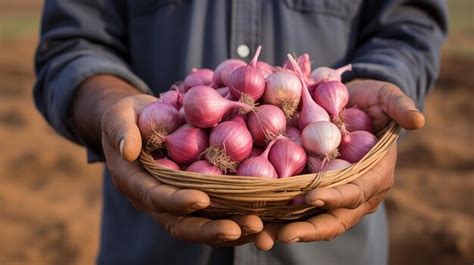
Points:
348	204
168	205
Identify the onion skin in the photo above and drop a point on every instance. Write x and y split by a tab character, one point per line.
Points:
224	70
265	68
354	119
321	138
294	134
283	89
186	144
304	63
316	165
165	162
266	123
234	138
204	107
332	96
172	97
155	122
355	145
204	167
287	157
198	77
324	74
259	166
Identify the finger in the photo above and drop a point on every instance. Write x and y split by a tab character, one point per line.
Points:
249	224
197	229
119	123
377	180
328	225
147	192
400	107
266	239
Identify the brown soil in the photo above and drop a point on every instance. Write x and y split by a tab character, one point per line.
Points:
50	198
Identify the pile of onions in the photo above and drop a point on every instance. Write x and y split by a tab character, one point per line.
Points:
257	120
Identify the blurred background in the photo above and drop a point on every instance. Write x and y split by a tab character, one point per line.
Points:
50	199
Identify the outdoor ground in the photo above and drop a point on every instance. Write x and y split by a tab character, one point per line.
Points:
50	198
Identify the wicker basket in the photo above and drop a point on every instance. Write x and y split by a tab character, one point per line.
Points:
268	198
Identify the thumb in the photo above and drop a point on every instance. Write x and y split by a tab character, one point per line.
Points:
401	108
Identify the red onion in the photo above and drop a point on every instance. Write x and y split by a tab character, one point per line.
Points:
304	63
229	144
287	157
223	91
155	122
354	119
332	96
266	123
316	165
204	167
165	162
172	97
321	138
204	107
294	134
240	118
283	89
198	77
355	145
186	144
247	83
265	68
324	74
256	151
224	70
258	166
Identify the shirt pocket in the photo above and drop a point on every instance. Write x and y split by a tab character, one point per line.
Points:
139	8
339	8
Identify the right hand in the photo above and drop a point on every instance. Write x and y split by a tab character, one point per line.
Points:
169	206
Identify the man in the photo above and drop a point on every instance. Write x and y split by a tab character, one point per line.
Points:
99	59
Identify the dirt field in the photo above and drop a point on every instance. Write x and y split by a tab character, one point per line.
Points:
50	198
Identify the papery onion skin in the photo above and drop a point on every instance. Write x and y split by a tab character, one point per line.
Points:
204	167
354	119
304	63
172	97
266	123
294	134
355	145
265	68
165	162
332	96
186	144
287	157
198	77
283	89
204	107
324	74
316	164
259	166
234	138
155	122
224	70
321	138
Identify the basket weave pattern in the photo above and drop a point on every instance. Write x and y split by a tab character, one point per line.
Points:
268	198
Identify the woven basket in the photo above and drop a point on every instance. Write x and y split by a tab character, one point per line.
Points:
268	198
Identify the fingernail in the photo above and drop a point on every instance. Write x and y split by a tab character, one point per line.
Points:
197	206
318	203
296	239
225	238
416	110
121	146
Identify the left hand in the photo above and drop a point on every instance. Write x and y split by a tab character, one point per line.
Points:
347	204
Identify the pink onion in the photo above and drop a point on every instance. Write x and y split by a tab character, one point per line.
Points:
165	162
258	166
355	145
265	68
224	70
321	138
204	167
304	63
316	164
240	118
186	144
247	83
266	123
229	144
256	151
332	96
198	77
324	74
354	119
204	107
223	91
294	134
287	157
172	97
155	122
283	89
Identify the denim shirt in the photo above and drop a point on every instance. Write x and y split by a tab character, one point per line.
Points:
153	43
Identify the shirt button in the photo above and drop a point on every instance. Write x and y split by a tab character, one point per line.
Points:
243	50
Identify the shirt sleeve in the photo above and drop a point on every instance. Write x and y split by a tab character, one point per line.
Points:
399	42
79	39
